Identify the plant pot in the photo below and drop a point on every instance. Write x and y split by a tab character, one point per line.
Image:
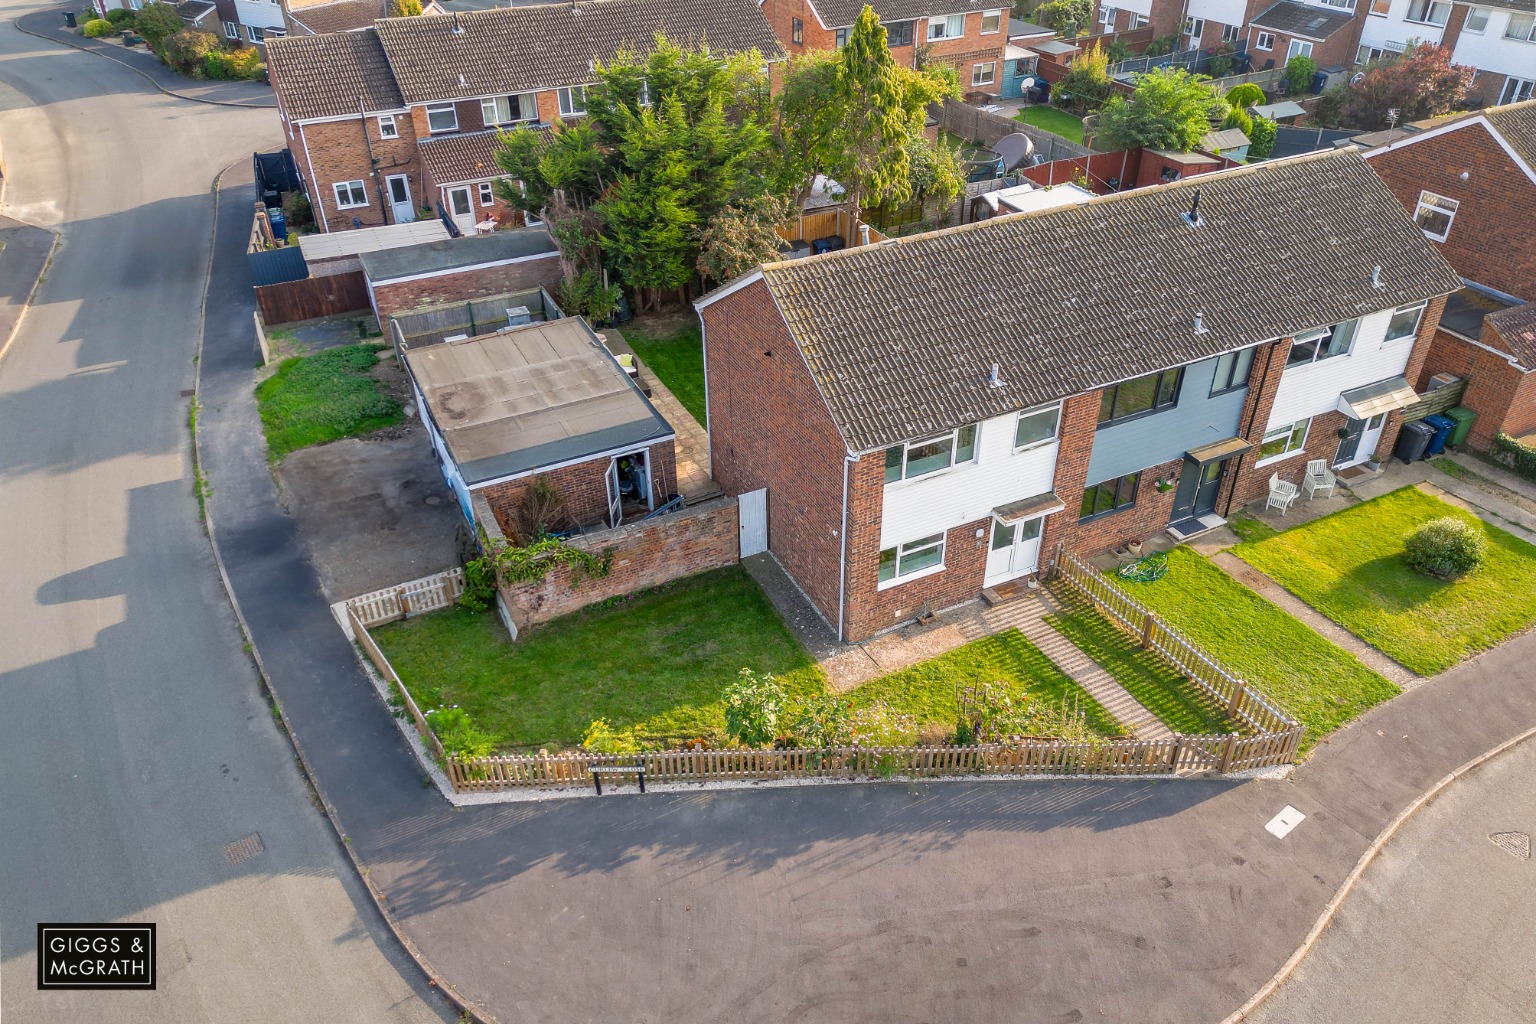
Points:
1134	547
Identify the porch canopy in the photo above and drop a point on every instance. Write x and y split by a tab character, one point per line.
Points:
1028	508
1374	399
1218	450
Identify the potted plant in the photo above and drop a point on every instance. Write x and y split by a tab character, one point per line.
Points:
1374	462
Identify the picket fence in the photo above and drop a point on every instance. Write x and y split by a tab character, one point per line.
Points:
401	602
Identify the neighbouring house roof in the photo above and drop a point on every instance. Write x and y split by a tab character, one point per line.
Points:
842	13
1029	197
1280	111
1224	138
1517	326
333	244
194	11
509	50
338	16
1517	123
385	265
901	336
1466	309
1052	47
527	397
327	76
1302	21
1019	29
454	159
1512	125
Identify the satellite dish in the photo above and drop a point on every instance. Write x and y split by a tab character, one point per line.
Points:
1013	150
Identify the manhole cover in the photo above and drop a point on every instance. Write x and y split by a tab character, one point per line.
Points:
1516	844
244	849
188	393
432	499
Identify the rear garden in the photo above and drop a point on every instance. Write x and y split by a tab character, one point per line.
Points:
673	349
1054	120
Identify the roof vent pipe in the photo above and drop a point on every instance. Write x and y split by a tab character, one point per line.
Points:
994	380
458	29
1200	327
1193	218
1376	281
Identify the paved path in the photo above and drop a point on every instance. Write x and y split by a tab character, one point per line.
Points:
24	252
49	24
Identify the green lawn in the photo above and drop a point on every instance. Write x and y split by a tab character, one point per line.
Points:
1054	120
1349	566
1179	704
659	660
928	692
1313	680
677	358
323	397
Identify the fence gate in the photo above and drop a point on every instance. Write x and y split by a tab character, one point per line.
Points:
753	510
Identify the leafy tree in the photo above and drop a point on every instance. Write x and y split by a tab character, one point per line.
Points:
1298	74
1086	84
157	22
752	708
404	8
741	237
1068	17
185	51
936	171
1240	119
584	295
1170	109
1262	139
1421	83
1245	96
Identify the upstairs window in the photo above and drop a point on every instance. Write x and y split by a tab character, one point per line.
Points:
1435	214
1323	343
442	117
1522	27
1232	371
1036	427
932	455
1477	21
509	109
1140	396
573	101
898	33
950	27
387	127
991	21
797	32
1405	322
1344	5
1429	12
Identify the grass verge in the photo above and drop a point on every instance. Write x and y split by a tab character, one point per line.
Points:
1349	566
1054	120
676	358
324	397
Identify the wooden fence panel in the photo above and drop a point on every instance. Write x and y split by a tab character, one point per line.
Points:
1437	401
387	670
428	594
313	297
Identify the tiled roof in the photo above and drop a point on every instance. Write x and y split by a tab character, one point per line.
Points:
325	76
340	16
901	335
1296	19
1517	326
1517	123
520	48
842	13
452	159
194	11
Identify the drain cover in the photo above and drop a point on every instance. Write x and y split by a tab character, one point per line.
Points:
244	849
432	499
1516	844
188	393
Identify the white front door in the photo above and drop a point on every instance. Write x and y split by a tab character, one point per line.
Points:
615	500
1014	551
400	203
461	207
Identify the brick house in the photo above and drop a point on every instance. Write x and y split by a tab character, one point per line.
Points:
969	34
403	115
544	400
1292	28
1497	37
1141	370
1470	184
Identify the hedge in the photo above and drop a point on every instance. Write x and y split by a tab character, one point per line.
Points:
1517	456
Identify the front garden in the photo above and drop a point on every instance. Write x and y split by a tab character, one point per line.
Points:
194	52
335	393
1350	566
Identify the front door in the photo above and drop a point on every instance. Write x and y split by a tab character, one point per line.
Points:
1198	486
1015	550
1349	444
461	207
400	203
1360	443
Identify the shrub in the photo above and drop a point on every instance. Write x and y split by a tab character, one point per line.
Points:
479	584
1518	456
120	17
602	738
458	734
584	295
1086	85
98	27
1262	138
1244	96
404	8
1329	111
822	721
1446	548
187	50
1221	61
234	64
1161	45
157	22
752	708
1239	118
296	208
1298	75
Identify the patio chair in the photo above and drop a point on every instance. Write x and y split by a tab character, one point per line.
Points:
1319	478
1281	494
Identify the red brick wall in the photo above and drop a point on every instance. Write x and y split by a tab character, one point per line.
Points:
1503	396
1337	50
336	151
645	555
583	486
963	52
760	387
1491	241
474	283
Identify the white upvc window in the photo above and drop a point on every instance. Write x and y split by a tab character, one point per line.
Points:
1434	215
949	27
1477	21
231	30
983	74
1429	12
1380	8
1404	323
921	557
1522	27
573	101
1367	54
387	127
991	21
442	117
1194	27
1284	439
350	194
487	194
1323	343
509	109
930	455
1264	41
1107	17
1036	427
1139	21
1345	5
1298	48
1516	90
1229	33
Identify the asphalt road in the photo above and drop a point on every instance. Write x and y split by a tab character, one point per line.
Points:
134	741
1442	926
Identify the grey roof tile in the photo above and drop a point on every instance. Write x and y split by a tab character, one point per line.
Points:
326	76
1517	123
451	159
1308	22
1517	326
338	16
901	335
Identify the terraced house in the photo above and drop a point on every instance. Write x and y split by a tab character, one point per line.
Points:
930	416
403	116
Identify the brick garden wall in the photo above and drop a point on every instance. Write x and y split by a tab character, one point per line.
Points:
583	486
646	555
463	285
1502	395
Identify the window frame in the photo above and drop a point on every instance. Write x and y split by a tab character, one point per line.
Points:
487	194
1511	91
955	447
232	30
388	127
1316	337
439	108
1172	403
1466	25
1191	23
997	26
1118	501
1290	435
495	102
1229	33
1024	414
938	542
1232	384
1294	49
1530	28
354	203
976	80
1426	10
565	100
797	32
1450	214
1343	5
1384	5
1258	41
1417	309
1107	16
903	38
840	38
943	21
1368	54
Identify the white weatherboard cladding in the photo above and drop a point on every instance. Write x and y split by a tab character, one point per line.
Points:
1314	389
259	13
1141	7
966	493
1491	52
1224	12
1396	28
